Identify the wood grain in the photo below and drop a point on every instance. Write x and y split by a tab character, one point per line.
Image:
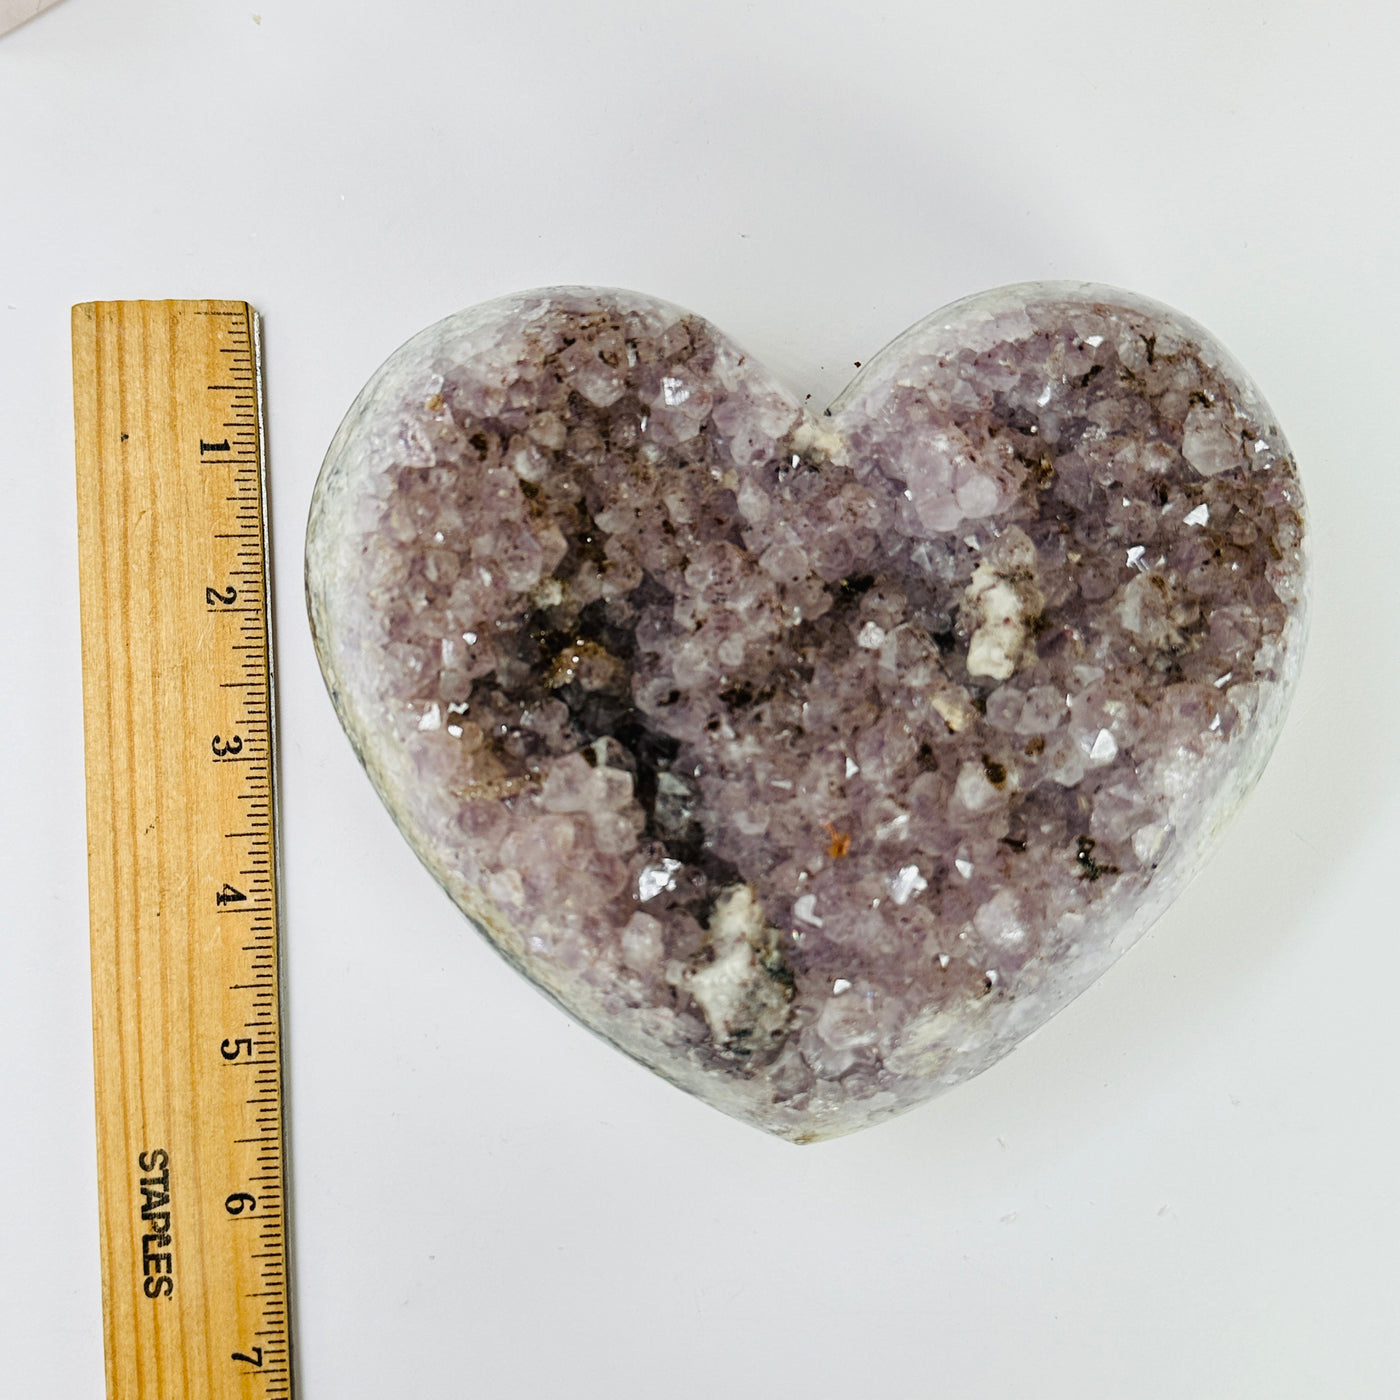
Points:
178	730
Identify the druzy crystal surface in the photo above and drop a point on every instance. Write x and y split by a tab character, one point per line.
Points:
812	758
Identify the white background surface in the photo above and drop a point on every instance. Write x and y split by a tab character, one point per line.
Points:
1186	1185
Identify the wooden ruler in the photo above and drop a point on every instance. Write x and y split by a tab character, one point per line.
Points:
182	849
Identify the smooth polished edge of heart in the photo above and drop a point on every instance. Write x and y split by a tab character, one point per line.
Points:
361	444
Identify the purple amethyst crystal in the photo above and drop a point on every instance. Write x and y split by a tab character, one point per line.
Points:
813	760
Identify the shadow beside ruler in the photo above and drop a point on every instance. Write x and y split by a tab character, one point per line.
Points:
182	851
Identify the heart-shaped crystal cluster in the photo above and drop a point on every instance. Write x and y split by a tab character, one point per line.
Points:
813	759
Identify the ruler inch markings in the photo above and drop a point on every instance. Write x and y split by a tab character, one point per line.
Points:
170	849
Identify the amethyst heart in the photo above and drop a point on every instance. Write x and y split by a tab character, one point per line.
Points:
813	760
